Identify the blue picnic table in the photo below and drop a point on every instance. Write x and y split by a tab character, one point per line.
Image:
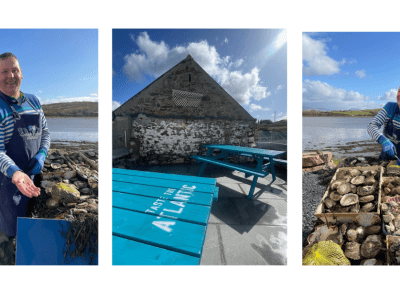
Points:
261	170
159	219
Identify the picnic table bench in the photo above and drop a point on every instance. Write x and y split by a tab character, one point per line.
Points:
159	219
261	170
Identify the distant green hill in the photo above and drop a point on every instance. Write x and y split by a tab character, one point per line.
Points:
342	113
276	127
72	110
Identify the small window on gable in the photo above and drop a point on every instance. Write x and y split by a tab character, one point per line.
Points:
186	99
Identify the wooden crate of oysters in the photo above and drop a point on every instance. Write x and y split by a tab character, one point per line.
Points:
352	190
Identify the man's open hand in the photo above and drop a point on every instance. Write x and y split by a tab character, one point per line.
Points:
25	184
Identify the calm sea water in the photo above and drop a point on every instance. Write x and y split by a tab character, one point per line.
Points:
321	132
73	129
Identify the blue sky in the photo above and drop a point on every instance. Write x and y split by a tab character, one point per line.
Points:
350	70
58	65
251	65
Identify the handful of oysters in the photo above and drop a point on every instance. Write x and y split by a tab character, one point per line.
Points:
353	190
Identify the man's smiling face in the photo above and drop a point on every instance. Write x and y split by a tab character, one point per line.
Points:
10	76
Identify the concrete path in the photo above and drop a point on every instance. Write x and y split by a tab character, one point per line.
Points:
241	231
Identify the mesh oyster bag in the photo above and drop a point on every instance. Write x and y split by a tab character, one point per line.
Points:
325	253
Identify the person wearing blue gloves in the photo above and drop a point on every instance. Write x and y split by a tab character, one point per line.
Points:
24	143
389	118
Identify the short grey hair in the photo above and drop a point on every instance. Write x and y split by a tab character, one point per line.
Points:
7	55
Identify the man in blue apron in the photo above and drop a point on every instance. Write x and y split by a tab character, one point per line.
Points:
389	118
24	143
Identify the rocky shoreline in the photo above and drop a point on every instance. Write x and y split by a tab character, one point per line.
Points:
68	182
358	148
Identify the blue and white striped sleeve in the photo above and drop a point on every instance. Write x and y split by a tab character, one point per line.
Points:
45	141
376	123
7	165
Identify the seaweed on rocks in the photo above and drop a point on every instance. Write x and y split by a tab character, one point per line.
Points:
81	238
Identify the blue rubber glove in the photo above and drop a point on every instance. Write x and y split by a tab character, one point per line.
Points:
387	146
35	165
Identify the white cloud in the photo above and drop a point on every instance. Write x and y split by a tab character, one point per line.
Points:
254	107
278	88
390	95
226	40
115	105
62	99
155	58
317	62
282	118
317	94
361	73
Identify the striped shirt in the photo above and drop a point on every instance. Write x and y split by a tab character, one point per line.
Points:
385	114
7	165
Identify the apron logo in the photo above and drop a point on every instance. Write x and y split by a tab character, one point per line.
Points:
31	133
17	199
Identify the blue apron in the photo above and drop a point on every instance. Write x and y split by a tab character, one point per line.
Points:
392	134
23	145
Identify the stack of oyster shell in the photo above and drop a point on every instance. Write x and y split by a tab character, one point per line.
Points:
390	206
394	247
354	191
363	239
70	182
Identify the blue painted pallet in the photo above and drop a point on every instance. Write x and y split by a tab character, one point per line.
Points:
182	237
179	210
128	252
174	177
186	187
159	219
39	242
162	192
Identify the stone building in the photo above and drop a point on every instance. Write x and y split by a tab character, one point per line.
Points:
173	116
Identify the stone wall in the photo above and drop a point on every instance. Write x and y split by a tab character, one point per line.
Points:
121	131
173	141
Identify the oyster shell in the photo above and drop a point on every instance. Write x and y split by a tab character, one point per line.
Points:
352	250
358	180
371	246
374	229
340	174
349	199
388	217
344	188
336	183
335	196
367	219
351	235
367	207
354	172
370	180
329	203
365	190
56	166
366	199
371	262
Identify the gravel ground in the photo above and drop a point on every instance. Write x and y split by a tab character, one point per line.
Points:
312	195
